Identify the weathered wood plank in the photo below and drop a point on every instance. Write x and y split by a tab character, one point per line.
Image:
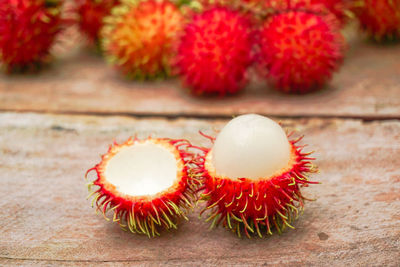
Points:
45	219
367	86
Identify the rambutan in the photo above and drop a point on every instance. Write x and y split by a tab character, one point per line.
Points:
299	51
338	8
215	51
27	31
253	175
91	14
379	18
138	37
147	184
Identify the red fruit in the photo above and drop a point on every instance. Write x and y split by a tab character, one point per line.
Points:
300	51
146	184
215	51
246	205
380	18
138	37
27	31
335	7
91	14
254	203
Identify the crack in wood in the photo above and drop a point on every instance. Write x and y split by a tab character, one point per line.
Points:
170	116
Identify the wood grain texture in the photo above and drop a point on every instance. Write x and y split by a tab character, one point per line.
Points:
367	86
45	219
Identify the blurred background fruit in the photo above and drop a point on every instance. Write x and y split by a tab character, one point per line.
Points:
299	51
379	18
138	37
90	16
215	51
27	31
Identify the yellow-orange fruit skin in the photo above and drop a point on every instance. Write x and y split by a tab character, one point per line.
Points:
138	37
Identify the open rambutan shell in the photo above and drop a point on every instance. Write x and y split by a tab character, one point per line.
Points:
163	202
256	206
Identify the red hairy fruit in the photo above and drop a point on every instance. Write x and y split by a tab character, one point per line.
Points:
299	51
380	18
27	31
215	51
138	37
255	205
91	14
336	7
146	184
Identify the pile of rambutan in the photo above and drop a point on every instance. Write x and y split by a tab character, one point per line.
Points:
296	45
215	47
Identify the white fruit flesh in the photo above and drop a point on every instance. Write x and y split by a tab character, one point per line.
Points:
251	146
142	169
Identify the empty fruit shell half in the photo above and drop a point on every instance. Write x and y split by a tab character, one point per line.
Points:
146	184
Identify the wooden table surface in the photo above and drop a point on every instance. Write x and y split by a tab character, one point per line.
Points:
54	125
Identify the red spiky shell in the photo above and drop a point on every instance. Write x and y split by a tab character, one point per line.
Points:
299	51
380	18
91	14
214	52
27	31
147	214
335	7
255	205
138	37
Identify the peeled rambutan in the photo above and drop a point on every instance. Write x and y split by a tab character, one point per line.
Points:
27	31
215	51
91	14
299	51
338	8
253	175
380	18
147	184
139	35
